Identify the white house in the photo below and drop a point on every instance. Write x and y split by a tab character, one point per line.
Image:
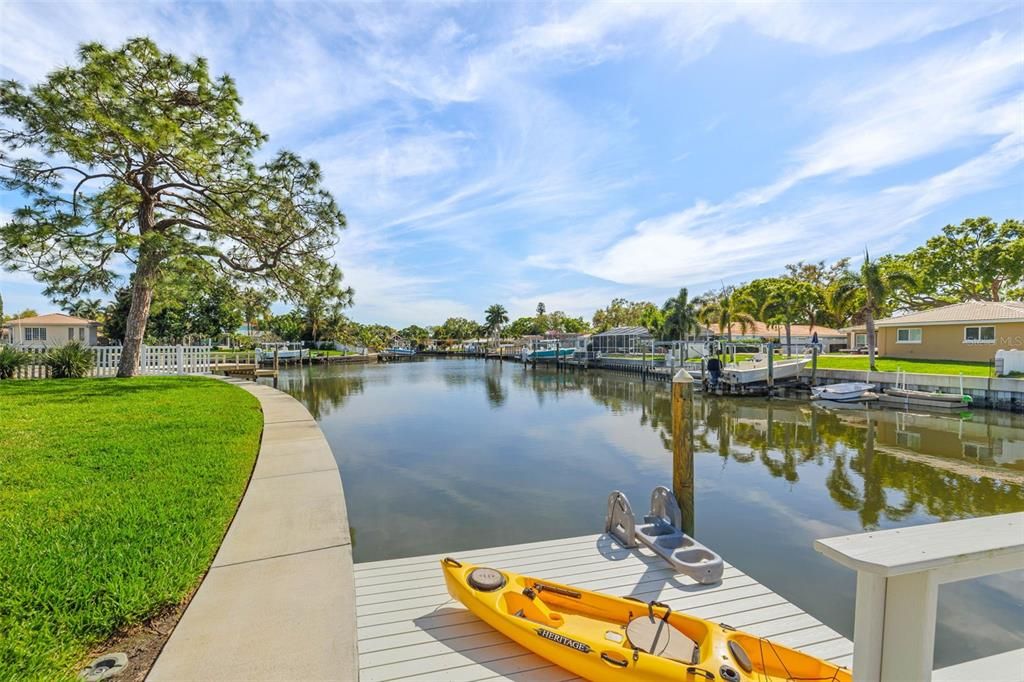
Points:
55	329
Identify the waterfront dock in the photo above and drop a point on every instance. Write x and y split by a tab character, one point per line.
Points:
408	628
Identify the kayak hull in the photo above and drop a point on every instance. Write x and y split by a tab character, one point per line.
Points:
585	633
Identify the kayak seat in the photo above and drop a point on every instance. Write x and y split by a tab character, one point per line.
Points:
655	636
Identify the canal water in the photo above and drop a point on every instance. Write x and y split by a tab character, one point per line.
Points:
446	455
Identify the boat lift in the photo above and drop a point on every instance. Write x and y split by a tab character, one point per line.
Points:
660	532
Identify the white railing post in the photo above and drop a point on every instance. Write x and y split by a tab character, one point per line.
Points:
868	627
898	576
180	350
909	626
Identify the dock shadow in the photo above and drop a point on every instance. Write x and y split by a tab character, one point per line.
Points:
657	575
467	645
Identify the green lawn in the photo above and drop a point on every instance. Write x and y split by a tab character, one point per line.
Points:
975	369
330	352
956	367
114	497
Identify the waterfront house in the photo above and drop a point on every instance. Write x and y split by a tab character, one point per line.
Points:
54	329
973	330
801	335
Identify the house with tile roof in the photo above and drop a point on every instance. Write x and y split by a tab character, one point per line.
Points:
972	330
54	329
801	335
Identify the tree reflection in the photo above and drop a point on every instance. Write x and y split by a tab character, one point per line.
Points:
783	436
495	391
321	394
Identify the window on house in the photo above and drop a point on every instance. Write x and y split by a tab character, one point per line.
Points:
71	333
908	336
860	340
979	334
35	333
81	333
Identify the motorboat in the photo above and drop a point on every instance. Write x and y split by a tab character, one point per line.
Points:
551	353
284	351
852	391
755	370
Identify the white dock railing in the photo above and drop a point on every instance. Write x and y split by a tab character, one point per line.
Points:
152	360
898	576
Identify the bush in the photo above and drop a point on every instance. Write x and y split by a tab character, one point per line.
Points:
11	360
70	361
244	342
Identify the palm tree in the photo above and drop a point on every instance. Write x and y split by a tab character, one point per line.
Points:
495	317
89	308
680	316
875	286
787	303
840	307
725	309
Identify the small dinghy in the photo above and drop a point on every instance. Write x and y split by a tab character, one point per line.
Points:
601	637
853	391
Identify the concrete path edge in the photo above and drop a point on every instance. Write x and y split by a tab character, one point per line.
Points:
279	599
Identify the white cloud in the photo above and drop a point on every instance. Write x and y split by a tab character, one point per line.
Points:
699	248
369	168
936	104
386	294
575	302
437	125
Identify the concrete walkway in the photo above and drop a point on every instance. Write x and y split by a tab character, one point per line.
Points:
279	600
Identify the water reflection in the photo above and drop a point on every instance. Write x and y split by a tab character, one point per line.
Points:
451	455
321	390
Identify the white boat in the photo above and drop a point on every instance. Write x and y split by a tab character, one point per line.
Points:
284	352
551	353
756	370
852	391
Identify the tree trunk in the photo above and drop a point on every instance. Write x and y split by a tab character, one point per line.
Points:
789	340
869	321
138	315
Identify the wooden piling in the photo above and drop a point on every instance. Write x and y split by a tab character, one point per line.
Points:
682	446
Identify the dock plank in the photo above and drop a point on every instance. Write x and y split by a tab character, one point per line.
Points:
410	629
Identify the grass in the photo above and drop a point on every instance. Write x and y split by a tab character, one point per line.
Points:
860	362
330	352
955	367
114	497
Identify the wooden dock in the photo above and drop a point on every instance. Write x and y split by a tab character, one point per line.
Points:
410	629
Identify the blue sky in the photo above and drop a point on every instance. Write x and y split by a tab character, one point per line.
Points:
571	153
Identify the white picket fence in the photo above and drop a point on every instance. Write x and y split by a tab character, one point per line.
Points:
153	360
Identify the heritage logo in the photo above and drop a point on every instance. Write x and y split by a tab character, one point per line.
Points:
564	641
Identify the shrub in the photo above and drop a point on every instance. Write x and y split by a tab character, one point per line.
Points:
244	342
11	359
70	361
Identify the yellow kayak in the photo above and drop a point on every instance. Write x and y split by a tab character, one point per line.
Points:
601	637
